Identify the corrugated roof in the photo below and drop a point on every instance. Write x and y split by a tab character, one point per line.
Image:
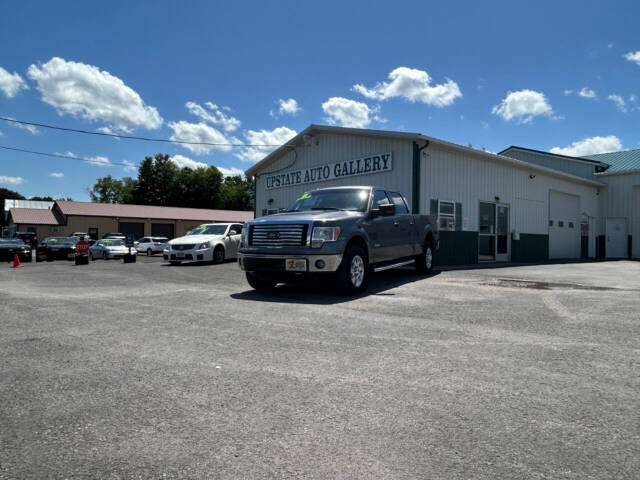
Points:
619	161
91	209
33	216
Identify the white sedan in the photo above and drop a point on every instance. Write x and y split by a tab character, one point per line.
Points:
108	248
211	242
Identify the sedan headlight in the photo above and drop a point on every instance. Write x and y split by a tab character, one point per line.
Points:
204	245
324	234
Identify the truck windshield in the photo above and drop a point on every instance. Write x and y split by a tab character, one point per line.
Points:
353	199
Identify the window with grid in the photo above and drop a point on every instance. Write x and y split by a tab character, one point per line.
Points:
447	216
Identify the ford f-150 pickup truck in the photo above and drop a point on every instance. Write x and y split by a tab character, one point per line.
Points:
347	232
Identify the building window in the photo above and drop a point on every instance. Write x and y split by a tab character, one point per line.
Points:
560	223
447	216
570	224
551	223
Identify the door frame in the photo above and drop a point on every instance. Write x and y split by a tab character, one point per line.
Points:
502	257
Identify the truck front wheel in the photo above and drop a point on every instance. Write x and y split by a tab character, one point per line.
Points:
354	271
260	284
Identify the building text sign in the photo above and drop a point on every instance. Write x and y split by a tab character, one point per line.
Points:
350	168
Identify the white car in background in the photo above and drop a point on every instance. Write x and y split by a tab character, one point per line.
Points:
109	248
151	245
211	242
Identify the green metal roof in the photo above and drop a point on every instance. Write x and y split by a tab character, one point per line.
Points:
619	161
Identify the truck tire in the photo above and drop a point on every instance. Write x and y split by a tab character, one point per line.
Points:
260	284
353	273
424	261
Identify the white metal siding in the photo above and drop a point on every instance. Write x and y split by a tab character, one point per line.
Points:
564	233
618	199
635	223
331	148
469	179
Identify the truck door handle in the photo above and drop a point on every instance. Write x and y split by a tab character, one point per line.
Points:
396	223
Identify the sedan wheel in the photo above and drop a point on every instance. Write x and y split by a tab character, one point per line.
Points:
149	252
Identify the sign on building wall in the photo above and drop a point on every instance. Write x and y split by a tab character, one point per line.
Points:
350	168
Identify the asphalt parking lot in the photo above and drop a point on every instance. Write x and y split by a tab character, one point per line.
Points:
151	371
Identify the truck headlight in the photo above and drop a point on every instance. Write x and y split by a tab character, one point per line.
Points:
245	235
203	245
324	234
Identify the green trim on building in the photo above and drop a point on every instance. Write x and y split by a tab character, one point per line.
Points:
457	248
530	248
584	247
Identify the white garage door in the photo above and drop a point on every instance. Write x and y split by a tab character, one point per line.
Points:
564	225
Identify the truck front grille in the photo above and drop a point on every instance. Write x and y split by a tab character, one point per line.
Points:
284	235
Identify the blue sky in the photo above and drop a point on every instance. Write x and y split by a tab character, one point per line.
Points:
549	75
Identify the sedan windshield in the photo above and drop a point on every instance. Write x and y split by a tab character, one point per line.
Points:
352	199
11	241
209	230
113	243
62	240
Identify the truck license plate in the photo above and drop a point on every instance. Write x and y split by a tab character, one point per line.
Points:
295	265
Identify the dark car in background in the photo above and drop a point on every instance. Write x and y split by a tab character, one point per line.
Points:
56	248
12	246
27	237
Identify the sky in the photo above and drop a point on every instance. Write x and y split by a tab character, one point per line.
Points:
553	76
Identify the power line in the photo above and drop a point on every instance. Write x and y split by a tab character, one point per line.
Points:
92	161
131	137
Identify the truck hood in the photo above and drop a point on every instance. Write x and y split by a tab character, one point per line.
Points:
191	239
309	216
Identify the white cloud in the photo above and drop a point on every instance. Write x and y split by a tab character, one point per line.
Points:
347	113
11	83
618	101
277	136
633	57
214	115
128	166
181	161
99	161
30	128
523	105
231	172
84	90
200	132
286	107
610	45
56	174
568	92
586	92
4	180
590	146
413	85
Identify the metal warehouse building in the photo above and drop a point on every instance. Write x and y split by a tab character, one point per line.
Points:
520	205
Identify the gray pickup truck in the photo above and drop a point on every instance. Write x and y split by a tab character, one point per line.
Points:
347	232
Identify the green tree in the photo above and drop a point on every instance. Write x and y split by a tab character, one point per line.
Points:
111	190
156	181
5	193
237	193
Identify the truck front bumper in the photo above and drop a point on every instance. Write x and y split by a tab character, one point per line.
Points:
256	262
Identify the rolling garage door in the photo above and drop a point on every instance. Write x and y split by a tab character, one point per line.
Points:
564	225
131	227
162	230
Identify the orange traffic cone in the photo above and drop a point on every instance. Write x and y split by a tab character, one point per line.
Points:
16	261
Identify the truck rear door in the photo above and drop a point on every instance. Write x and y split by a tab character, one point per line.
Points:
403	225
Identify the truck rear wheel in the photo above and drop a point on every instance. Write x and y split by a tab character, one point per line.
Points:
353	273
424	261
260	284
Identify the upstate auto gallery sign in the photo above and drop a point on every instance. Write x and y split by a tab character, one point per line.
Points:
350	168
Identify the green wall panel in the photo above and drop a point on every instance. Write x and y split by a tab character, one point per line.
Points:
457	248
530	248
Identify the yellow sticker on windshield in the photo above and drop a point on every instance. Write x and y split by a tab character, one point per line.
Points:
305	196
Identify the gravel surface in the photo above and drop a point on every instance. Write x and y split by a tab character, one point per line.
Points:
150	371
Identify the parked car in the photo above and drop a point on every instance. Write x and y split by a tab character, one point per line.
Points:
109	248
343	231
151	245
211	242
56	248
12	246
116	235
27	237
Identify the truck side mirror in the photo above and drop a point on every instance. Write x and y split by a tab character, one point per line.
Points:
387	210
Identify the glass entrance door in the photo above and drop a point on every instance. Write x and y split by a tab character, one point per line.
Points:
493	244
